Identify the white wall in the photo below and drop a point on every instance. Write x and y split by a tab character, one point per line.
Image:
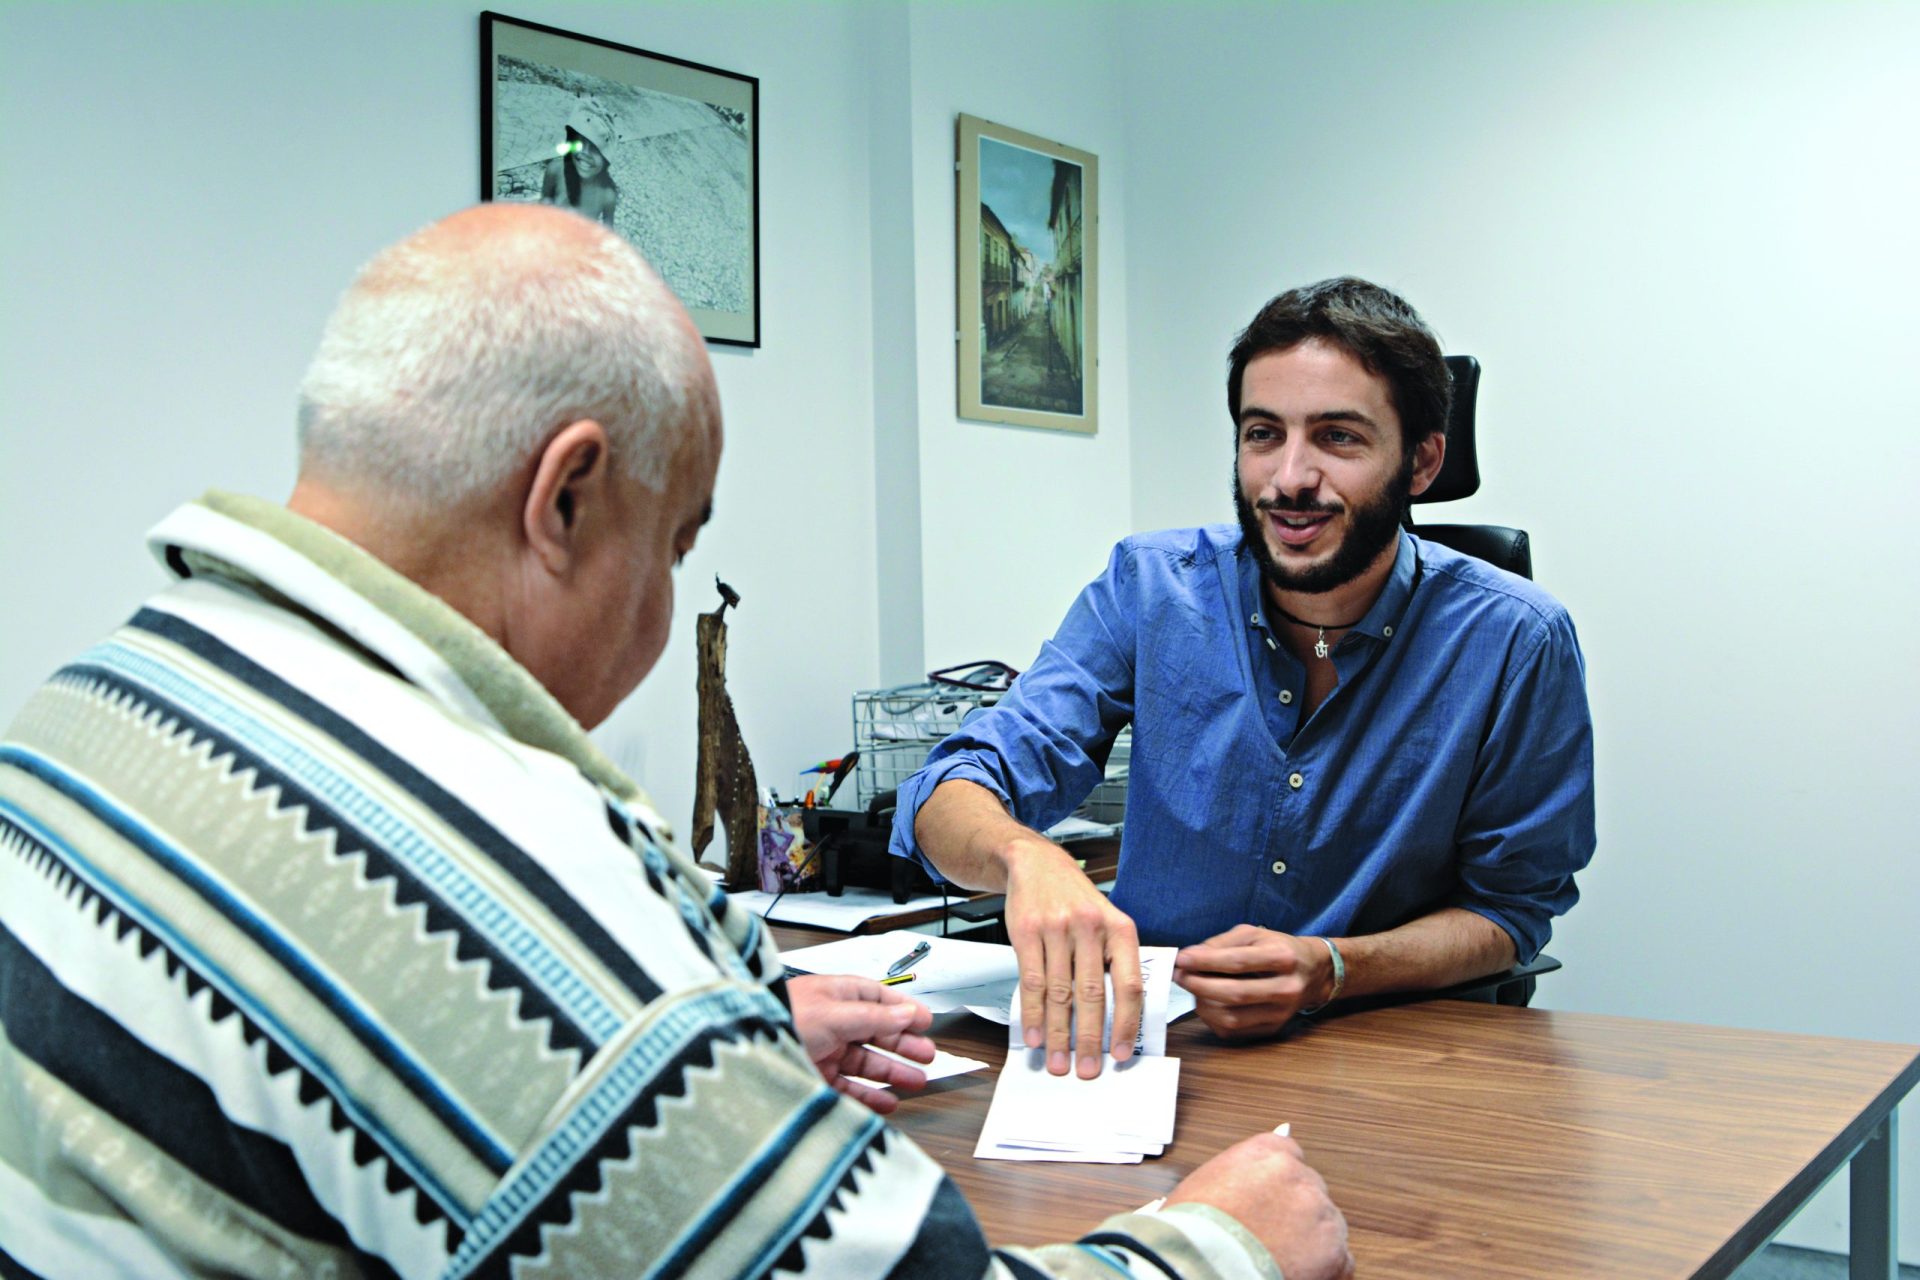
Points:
1681	240
196	183
1014	520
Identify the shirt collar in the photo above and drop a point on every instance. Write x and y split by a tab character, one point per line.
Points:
307	567
1380	622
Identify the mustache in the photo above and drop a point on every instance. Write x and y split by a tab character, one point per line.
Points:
1301	506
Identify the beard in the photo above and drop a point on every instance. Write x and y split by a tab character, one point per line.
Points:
1372	526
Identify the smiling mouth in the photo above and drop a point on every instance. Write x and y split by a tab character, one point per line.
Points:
1297	530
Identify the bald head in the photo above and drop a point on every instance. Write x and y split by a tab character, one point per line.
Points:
457	353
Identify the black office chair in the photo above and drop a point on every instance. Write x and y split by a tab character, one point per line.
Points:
1460	478
1504	548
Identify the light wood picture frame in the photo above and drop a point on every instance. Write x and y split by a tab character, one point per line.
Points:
1028	258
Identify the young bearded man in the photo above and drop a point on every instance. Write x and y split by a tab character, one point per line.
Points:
1362	762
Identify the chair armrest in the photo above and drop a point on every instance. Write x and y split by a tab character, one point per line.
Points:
1510	986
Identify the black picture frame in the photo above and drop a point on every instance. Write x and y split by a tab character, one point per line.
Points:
579	121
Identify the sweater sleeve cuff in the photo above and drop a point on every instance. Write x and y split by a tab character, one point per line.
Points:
1195	1239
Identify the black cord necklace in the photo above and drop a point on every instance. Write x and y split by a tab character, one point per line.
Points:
1319	644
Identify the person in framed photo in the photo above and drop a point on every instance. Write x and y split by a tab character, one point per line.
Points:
580	177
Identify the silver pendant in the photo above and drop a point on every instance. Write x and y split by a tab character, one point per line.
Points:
1320	645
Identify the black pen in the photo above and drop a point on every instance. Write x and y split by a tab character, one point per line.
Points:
908	960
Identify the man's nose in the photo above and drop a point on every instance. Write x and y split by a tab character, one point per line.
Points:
1296	470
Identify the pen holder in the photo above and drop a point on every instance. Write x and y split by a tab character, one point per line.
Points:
787	861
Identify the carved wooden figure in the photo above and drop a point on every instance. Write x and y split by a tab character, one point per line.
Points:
724	777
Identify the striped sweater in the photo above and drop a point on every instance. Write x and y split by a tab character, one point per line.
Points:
331	946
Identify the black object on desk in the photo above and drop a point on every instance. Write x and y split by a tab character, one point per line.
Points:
853	851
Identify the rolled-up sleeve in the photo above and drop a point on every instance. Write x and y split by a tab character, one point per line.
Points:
1043	747
1528	824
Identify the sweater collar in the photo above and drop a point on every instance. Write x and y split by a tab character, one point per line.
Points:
313	570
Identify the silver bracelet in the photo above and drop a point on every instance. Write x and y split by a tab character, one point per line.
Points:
1339	978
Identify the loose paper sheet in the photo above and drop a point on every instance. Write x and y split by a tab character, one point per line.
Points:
944	1064
950	965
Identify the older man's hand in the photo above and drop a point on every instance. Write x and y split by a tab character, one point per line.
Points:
1267	1184
842	1018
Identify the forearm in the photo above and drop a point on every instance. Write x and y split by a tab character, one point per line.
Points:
1436	950
1195	1240
969	835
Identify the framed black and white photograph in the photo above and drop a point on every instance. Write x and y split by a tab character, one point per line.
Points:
664	151
1028	255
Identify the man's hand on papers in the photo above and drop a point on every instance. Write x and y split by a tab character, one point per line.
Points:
1067	935
1250	981
839	1016
1267	1184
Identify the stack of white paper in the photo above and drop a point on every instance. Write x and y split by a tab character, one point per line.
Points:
1119	1116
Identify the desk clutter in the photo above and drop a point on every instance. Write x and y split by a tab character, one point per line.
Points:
1034	1115
895	728
843	913
832	836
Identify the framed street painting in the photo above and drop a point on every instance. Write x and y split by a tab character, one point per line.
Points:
1028	253
664	151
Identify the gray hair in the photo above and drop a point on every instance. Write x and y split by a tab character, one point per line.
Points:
456	354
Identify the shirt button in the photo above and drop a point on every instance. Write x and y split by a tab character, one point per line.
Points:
1387	632
1279	867
1296	781
1286	696
1254	618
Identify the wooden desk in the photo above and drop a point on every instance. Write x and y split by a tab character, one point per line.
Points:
1471	1140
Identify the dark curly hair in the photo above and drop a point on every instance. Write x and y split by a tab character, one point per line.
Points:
1373	325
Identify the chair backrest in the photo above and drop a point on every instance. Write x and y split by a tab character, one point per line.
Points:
1459	477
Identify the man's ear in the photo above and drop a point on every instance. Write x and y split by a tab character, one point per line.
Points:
1427	457
570	482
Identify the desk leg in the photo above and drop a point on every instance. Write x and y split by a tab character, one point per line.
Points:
1874	1206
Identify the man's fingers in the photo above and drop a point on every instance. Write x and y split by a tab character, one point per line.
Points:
1123	952
1059	1000
1238	936
879	1101
870	1064
907	1044
1033	995
860	1021
1216	989
1089	1002
1274	955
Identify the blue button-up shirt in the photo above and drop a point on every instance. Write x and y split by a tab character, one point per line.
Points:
1452	765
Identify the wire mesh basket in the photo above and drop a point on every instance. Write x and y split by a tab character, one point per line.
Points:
894	729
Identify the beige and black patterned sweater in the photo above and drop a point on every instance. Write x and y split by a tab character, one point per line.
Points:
331	946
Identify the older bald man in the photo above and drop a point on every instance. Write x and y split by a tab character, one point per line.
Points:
329	943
